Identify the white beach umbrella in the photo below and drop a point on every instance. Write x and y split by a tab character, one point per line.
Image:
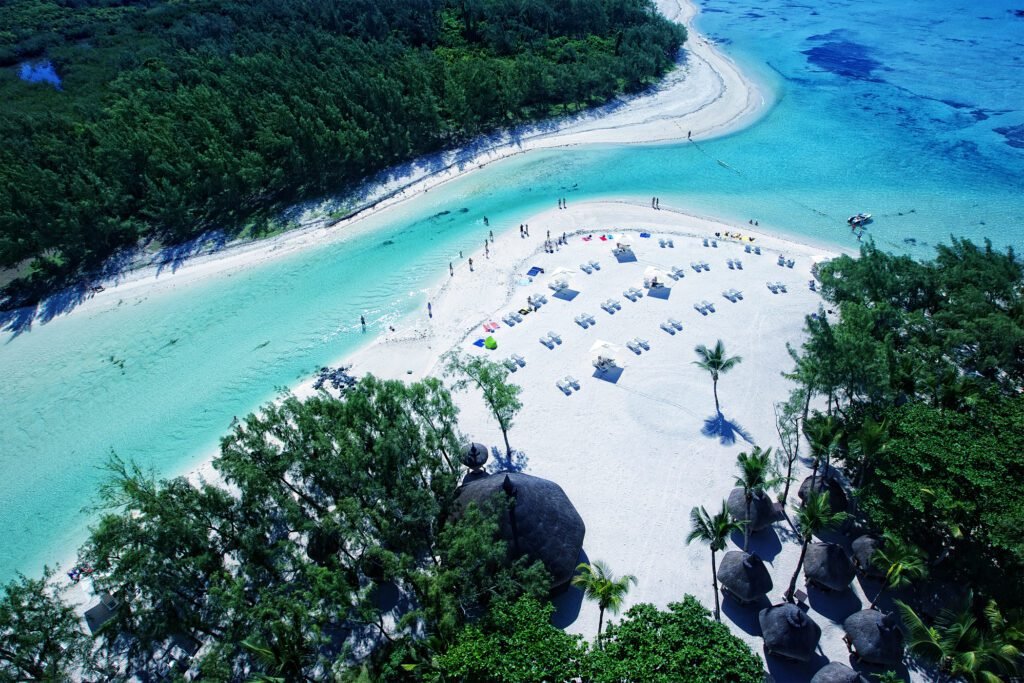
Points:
653	272
603	349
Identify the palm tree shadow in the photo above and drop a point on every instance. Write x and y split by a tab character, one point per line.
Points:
568	601
765	543
791	671
834	606
725	430
500	463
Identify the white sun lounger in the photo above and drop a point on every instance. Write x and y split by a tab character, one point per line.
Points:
608	306
675	323
581	321
573	382
757	250
737	293
661	243
714	243
729	263
518	359
739	264
636	292
773	288
705	266
586	269
555	337
645	344
708	305
547	342
564	386
667	326
782	287
517	316
595	265
633	346
671	244
695	266
509	320
510	364
700	309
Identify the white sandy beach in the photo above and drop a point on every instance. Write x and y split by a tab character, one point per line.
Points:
630	454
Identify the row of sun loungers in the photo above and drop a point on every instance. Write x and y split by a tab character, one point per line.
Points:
514	362
611	305
666	243
632	294
699	266
585	320
714	243
704	307
756	250
789	263
733	295
567	384
735	264
551	339
776	287
636	345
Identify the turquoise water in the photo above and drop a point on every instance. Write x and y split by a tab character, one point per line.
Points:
914	113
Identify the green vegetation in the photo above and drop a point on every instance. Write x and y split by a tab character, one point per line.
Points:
682	644
335	530
921	379
178	118
812	517
599	584
757	475
500	396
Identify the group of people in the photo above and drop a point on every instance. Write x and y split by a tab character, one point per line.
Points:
655	202
524	230
562	203
78	571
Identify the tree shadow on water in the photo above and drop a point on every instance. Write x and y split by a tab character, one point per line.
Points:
725	430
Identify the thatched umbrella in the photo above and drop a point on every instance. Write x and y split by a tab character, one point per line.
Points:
835	672
762	512
836	495
744	576
828	566
788	632
864	548
536	519
474	456
874	637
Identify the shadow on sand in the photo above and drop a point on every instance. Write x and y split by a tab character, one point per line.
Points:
765	543
610	375
725	430
835	606
500	463
744	616
568	602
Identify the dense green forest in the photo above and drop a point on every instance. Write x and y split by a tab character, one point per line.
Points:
173	118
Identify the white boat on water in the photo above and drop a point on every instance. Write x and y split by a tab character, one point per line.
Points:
859	219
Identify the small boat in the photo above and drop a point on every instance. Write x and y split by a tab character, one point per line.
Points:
859	219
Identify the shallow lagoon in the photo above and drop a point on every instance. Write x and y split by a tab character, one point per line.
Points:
912	113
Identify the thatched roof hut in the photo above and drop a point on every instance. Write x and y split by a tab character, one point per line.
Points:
874	637
864	548
828	567
788	632
762	512
836	495
744	576
537	519
836	672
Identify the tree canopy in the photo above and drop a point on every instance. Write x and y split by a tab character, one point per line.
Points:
173	119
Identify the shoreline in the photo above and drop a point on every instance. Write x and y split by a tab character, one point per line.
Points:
706	95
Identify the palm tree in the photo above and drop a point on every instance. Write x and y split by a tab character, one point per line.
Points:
824	435
757	474
715	362
871	440
814	516
599	584
713	531
963	645
903	563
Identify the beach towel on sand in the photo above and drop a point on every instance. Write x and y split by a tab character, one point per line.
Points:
479	342
645	234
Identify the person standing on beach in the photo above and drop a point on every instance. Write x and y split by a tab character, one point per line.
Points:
492	236
487	251
657	203
430	310
471	264
527	229
451	270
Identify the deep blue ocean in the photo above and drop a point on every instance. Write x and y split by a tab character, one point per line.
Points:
912	111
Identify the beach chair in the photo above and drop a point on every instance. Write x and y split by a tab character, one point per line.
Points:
728	295
705	266
633	346
746	248
738	294
671	244
636	292
772	288
782	287
510	364
695	267
644	344
517	316
729	263
564	386
590	319
714	243
520	361
543	299
668	327
700	309
790	263
782	260
586	269
507	319
581	321
595	265
573	382
626	293
708	305
757	250
739	264
661	243
608	306
705	241
547	342
675	323
555	337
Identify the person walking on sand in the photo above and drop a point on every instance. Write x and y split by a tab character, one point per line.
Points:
492	237
451	270
657	203
688	134
527	229
487	251
471	264
430	310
